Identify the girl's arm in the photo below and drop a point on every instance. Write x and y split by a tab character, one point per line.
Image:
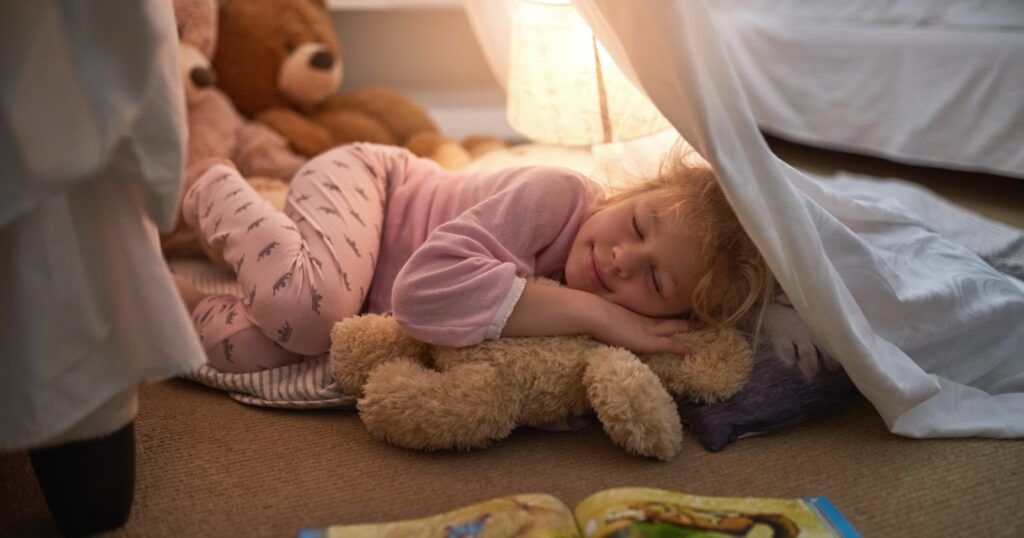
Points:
464	284
460	287
545	310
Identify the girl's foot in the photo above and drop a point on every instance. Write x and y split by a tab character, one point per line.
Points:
192	175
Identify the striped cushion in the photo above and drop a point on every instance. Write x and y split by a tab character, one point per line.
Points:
305	385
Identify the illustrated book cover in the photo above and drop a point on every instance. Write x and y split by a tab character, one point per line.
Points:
617	513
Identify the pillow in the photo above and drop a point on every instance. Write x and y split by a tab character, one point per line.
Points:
777	396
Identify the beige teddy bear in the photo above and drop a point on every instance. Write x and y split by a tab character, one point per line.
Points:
420	396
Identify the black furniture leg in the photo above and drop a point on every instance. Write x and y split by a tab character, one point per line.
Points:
89	485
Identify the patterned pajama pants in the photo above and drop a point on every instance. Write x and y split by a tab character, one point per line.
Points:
301	270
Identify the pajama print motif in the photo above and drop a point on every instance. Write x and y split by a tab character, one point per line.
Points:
301	270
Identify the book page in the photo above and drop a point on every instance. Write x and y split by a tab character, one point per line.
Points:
530	515
627	512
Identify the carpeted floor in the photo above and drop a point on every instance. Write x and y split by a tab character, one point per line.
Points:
208	466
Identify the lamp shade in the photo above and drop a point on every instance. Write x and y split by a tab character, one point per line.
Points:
563	88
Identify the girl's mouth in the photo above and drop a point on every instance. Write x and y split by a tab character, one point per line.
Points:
594	273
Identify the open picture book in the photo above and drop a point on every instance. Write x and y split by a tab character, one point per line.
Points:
620	513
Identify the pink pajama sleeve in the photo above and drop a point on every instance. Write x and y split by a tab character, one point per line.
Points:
461	285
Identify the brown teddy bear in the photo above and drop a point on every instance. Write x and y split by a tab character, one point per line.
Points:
215	128
433	397
280	62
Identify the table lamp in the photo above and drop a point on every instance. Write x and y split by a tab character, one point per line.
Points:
564	88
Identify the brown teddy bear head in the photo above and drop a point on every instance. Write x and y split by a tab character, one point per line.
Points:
197	38
276	53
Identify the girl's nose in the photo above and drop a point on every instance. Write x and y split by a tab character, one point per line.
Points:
622	260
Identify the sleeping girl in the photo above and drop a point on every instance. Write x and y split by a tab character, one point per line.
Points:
370	228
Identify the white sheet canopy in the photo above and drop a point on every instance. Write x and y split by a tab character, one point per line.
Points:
929	332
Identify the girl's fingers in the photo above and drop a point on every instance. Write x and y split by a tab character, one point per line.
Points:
669	327
682	349
668	344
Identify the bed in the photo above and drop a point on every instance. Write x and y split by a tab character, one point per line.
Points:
937	83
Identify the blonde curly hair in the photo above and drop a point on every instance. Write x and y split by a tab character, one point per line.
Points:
735	277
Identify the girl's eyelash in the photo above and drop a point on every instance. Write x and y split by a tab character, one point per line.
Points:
636	228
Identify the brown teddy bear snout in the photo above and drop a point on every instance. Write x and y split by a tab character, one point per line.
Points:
322	60
309	74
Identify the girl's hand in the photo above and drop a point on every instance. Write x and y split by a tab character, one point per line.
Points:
620	326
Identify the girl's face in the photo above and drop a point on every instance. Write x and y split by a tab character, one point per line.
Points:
635	258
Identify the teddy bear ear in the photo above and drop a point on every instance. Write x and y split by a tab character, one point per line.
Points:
322	4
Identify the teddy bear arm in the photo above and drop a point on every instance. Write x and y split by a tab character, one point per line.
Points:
303	134
399	114
632	405
719	367
438	148
361	343
260	151
468	406
212	126
347	126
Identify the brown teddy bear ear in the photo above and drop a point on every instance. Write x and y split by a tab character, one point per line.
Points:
322	4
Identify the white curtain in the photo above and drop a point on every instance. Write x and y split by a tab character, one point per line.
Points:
92	144
930	333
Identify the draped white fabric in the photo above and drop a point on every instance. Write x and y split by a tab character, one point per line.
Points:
931	82
929	332
92	141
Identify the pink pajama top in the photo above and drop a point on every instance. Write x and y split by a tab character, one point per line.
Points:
456	246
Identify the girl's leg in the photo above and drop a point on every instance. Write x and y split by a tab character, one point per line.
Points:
233	343
299	276
337	202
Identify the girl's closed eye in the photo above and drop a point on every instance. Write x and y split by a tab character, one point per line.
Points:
636	228
656	285
655	281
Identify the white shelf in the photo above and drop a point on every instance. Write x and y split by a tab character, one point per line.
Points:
383	5
460	113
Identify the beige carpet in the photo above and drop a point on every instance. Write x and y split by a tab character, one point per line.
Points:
208	466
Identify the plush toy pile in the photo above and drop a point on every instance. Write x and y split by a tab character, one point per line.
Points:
281	63
261	80
432	397
215	128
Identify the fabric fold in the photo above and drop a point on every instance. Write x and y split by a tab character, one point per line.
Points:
915	319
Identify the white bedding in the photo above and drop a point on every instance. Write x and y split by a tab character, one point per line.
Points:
309	385
977	14
937	82
931	334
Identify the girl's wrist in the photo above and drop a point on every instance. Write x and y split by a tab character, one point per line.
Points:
594	313
545	310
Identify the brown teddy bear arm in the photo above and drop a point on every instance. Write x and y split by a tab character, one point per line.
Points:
719	367
409	405
635	409
261	151
361	343
303	135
